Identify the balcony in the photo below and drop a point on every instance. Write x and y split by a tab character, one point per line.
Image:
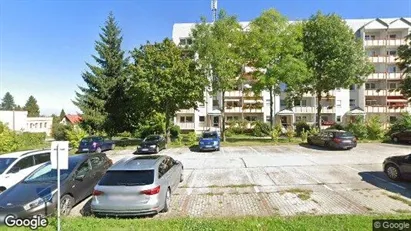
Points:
375	92
396	109
380	75
396	42
391	59
330	110
233	110
186	126
233	94
308	94
375	109
397	75
377	59
393	92
186	111
302	109
374	42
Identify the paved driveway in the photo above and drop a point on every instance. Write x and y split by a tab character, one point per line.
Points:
285	180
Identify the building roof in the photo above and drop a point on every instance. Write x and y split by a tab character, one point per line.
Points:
74	119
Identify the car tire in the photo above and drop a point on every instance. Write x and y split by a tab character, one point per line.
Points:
395	139
181	176
66	204
167	201
113	146
157	149
218	149
2	189
392	172
98	150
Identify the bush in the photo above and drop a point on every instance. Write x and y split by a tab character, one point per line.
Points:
175	131
314	131
275	135
261	129
228	133
304	135
59	131
27	139
124	134
375	130
8	141
192	138
75	135
337	126
301	126
153	125
290	133
238	126
402	123
358	128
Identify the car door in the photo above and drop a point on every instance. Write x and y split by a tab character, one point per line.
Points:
82	186
165	173
405	167
176	171
21	169
41	158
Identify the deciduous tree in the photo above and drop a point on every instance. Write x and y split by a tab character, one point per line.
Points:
7	103
32	108
404	63
334	55
166	79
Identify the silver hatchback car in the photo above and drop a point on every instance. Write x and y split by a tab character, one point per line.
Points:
137	186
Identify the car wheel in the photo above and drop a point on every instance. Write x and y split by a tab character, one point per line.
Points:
395	139
98	150
167	201
157	149
181	176
66	204
113	146
2	189
218	149
392	172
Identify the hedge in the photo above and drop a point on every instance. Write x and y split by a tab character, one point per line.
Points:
27	139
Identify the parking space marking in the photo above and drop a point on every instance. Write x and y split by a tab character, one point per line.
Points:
247	173
191	184
376	177
253	149
315	179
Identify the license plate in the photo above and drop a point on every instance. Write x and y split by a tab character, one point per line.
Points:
85	149
346	141
208	146
121	198
144	149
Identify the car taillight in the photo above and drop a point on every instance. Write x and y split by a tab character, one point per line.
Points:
152	191
337	140
97	193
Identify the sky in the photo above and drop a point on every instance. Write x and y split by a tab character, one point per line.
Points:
45	44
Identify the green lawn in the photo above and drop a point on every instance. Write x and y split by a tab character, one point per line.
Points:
301	222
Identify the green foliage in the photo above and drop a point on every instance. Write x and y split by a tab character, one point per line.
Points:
75	135
290	133
29	139
32	108
175	131
8	141
261	129
375	129
155	124
62	114
229	133
358	128
300	127
333	54
7	103
238	126
314	131
401	124
101	80
124	134
404	63
304	135
59	131
192	138
337	126
275	135
166	78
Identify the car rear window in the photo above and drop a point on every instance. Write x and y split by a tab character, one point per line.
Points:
344	134
129	178
210	135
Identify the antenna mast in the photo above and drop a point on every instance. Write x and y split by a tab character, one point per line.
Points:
214	9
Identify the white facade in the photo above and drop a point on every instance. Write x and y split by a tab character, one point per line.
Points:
378	96
18	121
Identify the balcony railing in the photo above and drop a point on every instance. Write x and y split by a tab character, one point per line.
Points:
374	42
186	126
396	109
186	111
396	75
377	59
241	94
391	59
375	109
382	109
395	42
379	75
375	92
394	92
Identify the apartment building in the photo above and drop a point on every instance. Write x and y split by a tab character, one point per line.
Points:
379	96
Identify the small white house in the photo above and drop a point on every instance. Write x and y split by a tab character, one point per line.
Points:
18	121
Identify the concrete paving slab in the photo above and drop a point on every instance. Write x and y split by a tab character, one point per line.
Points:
288	176
264	161
331	174
218	177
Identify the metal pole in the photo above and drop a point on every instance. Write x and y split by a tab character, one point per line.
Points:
58	189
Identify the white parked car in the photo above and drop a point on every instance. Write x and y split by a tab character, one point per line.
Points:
15	166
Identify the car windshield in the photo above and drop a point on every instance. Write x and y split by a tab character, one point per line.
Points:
210	135
128	178
151	138
5	163
86	141
344	134
47	173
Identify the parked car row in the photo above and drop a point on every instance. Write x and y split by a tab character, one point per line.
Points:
133	186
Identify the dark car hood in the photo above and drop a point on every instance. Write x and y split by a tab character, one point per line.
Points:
23	193
149	142
396	158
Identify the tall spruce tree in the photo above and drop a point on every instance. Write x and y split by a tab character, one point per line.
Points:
32	108
102	78
7	103
62	114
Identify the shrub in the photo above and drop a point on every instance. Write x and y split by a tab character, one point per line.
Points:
238	126
175	131
402	123
301	126
27	139
228	133
337	126
314	131
304	135
375	130
124	134
59	131
192	138
358	128
279	129
261	129
75	135
275	135
8	141
155	124
290	133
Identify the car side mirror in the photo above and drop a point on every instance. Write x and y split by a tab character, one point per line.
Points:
14	170
79	178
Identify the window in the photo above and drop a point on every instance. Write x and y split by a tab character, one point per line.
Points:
41	125
96	161
83	170
338	119
268	118
369	86
392	85
352	102
142	177
304	103
163	168
393	119
297	103
392	69
282	103
182	119
185	41
267	102
393	36
372	53
24	163
189	119
352	87
392	53
45	125
369	37
338	104
201	118
41	158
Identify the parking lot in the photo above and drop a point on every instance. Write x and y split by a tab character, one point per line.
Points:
284	180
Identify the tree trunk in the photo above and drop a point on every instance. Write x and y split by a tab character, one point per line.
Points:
168	119
319	107
271	108
222	115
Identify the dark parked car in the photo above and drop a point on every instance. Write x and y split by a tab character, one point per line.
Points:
336	139
209	141
403	136
95	144
37	193
398	167
152	144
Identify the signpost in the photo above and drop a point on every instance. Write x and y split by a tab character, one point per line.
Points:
59	160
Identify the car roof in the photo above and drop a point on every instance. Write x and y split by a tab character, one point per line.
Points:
138	163
23	153
208	132
334	130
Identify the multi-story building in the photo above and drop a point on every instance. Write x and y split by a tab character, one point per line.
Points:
379	96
